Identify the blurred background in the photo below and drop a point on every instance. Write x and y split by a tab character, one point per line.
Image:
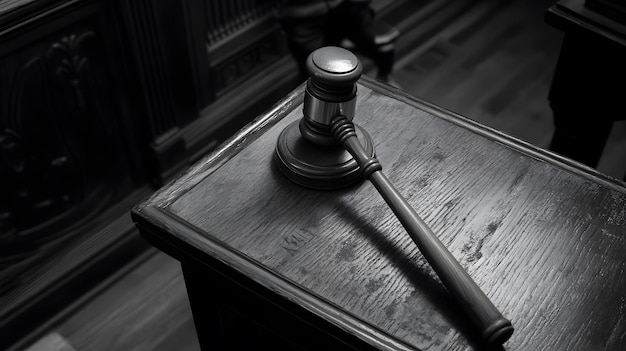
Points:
102	102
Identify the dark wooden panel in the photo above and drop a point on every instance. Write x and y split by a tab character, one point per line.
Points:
590	66
59	109
189	56
226	305
69	158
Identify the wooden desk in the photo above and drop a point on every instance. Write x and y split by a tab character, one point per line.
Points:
271	265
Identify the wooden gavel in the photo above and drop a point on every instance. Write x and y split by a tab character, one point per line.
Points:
329	108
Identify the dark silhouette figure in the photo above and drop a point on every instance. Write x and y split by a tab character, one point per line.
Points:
311	24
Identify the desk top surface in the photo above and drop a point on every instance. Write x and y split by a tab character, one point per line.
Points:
543	237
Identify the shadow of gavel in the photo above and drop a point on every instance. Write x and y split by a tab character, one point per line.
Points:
308	152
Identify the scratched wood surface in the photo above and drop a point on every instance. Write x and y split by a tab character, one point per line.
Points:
543	237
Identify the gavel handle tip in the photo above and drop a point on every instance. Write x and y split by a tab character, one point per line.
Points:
495	328
498	332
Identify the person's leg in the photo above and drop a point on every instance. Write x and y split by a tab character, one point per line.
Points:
355	20
303	23
585	97
579	135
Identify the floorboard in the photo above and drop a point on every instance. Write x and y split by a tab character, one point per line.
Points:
146	309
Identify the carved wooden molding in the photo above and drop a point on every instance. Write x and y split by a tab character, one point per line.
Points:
58	115
64	130
237	68
227	17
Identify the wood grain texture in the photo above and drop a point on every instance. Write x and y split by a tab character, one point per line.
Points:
542	237
486	318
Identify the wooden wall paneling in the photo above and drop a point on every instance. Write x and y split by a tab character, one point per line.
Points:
221	119
126	89
187	55
176	36
247	68
194	12
67	165
241	56
60	112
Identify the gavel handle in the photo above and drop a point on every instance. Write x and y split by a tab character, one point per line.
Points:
494	327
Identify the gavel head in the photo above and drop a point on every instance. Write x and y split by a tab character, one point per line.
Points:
330	91
305	151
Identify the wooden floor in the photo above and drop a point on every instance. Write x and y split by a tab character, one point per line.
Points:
494	64
143	308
